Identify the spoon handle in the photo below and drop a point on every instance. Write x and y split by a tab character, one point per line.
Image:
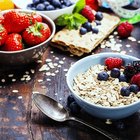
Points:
106	134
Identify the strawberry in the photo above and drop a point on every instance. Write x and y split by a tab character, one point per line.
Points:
136	79
113	62
1	19
93	4
3	35
13	42
35	18
125	29
16	22
36	33
87	13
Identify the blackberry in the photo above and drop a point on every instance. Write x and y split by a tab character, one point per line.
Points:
129	71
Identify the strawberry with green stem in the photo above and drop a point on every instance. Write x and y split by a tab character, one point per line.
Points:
36	33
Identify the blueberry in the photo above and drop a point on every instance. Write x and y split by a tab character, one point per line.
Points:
75	108
56	3
134	88
46	3
122	78
125	91
95	30
97	22
68	3
99	16
103	76
115	73
88	26
30	6
36	1
40	7
50	7
83	30
70	99
63	6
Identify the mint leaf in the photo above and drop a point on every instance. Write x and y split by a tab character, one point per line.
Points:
79	6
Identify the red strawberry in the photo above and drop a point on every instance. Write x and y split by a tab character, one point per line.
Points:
113	62
93	4
13	42
1	19
36	33
136	79
16	22
3	35
87	13
125	29
36	18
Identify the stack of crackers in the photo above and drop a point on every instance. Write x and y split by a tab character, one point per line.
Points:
72	41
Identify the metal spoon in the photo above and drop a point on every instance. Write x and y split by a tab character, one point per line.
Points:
57	112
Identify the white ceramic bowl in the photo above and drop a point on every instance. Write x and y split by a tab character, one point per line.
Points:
52	14
31	54
93	109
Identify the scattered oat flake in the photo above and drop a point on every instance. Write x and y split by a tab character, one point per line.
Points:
27	72
19	97
51	52
138	41
13	80
60	99
52	74
108	121
22	79
32	71
48	73
130	50
115	33
57	58
123	52
39	61
50	64
128	45
64	58
28	78
71	55
35	92
43	87
59	66
55	94
48	79
3	80
10	75
44	68
15	91
40	80
48	60
61	62
65	69
132	38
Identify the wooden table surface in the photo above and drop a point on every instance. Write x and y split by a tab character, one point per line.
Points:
21	120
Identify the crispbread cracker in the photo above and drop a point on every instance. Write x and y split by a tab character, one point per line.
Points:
72	41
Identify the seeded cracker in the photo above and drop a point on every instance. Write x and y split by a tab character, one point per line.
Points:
72	41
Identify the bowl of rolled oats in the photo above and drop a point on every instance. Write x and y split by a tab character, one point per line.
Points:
106	85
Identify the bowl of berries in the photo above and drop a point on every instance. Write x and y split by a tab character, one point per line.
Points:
106	85
51	8
25	36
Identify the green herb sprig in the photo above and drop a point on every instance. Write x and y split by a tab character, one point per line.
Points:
73	20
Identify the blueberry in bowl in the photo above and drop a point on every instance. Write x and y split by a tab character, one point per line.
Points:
102	93
51	8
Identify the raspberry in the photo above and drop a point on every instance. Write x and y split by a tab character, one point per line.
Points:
136	79
113	62
93	4
125	29
87	13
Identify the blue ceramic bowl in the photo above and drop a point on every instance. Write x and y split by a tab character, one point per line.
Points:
93	109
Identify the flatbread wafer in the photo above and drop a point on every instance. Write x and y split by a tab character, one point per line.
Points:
72	41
